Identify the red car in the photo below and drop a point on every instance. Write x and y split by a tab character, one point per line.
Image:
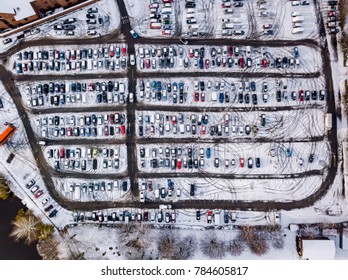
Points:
174	120
203	129
123	130
112	119
124	51
301	95
202	96
91	87
332	14
147	63
112	54
196	96
230	50
106	131
178	163
62	153
38	194
69	132
207	63
241	162
191	54
209	217
241	62
264	63
146	216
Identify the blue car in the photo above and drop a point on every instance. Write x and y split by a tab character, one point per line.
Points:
208	152
288	152
221	97
134	34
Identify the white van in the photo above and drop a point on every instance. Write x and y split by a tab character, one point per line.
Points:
295	3
157	193
297	30
190	11
214	96
188	16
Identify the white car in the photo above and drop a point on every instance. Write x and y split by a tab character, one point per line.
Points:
132	59
142	197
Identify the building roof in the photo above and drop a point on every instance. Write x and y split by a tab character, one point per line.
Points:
21	8
318	249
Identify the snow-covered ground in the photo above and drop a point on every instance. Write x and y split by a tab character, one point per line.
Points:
23	167
65	125
107	10
279	15
234	158
109	159
92	190
66	93
283	125
156	58
65	59
204	92
281	190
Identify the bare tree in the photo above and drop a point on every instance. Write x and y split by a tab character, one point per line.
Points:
126	230
236	247
167	245
48	248
187	247
247	233
258	246
212	246
142	234
26	227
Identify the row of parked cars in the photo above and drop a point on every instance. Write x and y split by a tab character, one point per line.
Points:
194	124
82	126
57	94
85	158
162	16
332	17
178	158
231	21
108	58
98	186
227	56
37	192
126	216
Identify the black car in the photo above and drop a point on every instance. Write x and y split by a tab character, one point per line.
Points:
314	95
124	186
201	52
53	213
192	190
198	215
190	5
254	98
279	95
141	130
311	158
226	218
240	97
1	105
247	98
257	162
201	84
252	86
